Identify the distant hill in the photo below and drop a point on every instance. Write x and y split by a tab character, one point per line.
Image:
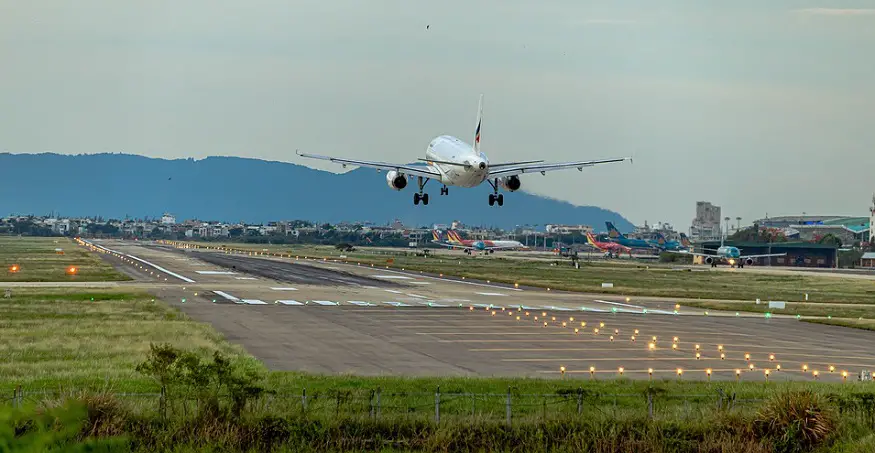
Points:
235	189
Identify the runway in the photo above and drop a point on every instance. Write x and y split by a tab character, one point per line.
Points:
326	317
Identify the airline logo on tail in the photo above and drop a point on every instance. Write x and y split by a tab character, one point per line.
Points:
454	237
477	134
435	234
613	231
590	239
685	241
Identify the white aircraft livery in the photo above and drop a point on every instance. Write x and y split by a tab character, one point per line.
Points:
453	162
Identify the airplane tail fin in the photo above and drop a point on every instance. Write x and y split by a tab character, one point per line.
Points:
590	239
613	232
685	241
477	131
660	239
436	235
453	237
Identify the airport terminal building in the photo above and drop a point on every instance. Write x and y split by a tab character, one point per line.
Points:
801	254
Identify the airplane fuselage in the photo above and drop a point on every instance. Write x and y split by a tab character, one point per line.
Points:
457	162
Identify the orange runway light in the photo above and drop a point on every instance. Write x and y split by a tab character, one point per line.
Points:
14	268
72	270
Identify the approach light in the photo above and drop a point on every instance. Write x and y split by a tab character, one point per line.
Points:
766	372
612	338
596	330
722	356
621	369
650	372
698	356
832	369
747	357
680	372
602	324
674	346
675	340
805	368
633	338
719	347
771	357
778	367
697	347
651	346
636	331
816	374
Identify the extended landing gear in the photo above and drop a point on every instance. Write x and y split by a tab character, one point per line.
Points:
417	197
445	190
495	197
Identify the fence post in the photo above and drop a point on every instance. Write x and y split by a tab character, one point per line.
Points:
437	405
650	404
378	402
20	401
507	408
579	401
304	400
371	405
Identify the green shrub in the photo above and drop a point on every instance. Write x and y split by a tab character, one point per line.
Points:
795	421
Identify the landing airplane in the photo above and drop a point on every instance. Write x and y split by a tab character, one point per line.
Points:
455	241
727	254
619	238
453	162
610	248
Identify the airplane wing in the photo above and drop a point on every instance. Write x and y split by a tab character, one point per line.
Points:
452	246
685	252
544	168
743	257
424	171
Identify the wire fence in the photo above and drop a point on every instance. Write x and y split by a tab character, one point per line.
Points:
440	406
436	406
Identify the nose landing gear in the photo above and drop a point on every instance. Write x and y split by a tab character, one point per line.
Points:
495	197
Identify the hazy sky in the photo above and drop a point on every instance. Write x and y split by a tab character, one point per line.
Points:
756	106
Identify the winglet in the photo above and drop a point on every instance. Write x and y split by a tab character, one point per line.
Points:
479	121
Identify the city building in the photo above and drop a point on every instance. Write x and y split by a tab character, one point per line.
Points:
872	222
706	225
568	229
868	260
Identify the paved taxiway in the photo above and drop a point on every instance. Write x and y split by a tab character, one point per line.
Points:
329	317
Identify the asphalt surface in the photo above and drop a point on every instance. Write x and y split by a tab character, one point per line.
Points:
327	317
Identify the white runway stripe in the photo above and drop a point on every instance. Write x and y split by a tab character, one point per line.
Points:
226	295
491	294
324	302
398	304
216	272
284	289
289	302
361	303
254	302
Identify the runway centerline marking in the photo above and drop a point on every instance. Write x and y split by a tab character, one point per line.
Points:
289	302
285	289
254	302
216	272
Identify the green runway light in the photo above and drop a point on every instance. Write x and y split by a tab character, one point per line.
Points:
614	309
829	317
644	311
798	316
183	300
675	312
706	313
92	299
768	315
736	314
214	300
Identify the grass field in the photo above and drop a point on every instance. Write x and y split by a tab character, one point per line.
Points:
38	261
62	337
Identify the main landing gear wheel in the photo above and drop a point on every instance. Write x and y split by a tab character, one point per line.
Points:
445	190
420	197
496	199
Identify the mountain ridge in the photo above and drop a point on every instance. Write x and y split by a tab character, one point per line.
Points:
231	189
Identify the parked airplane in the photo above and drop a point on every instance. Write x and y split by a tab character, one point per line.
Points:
453	162
685	241
455	241
665	245
727	254
614	235
610	248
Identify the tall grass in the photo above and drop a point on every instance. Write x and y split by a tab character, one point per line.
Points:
39	262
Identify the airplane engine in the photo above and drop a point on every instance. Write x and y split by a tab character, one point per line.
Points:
709	260
748	261
396	180
510	183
